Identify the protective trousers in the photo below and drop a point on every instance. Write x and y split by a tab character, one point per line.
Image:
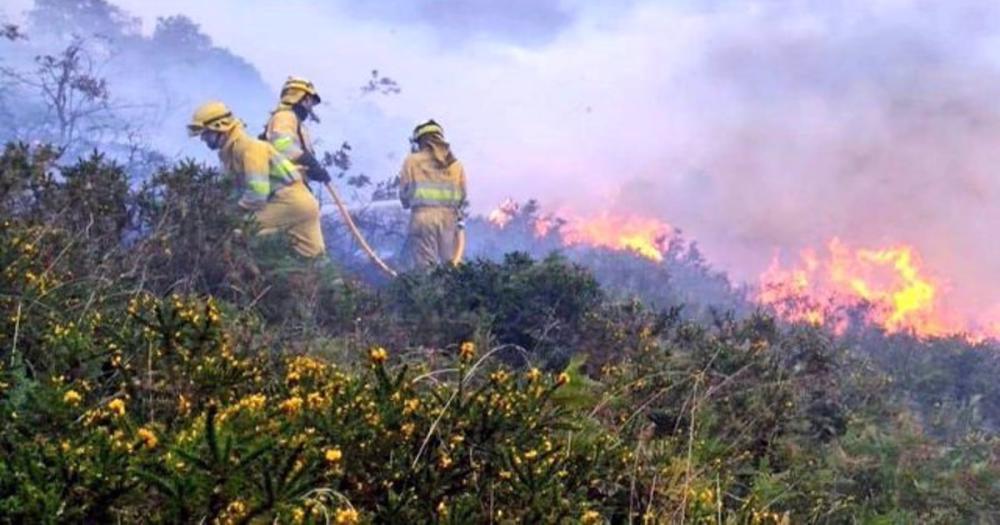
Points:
294	210
432	236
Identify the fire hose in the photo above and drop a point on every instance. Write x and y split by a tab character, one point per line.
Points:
459	244
357	234
456	258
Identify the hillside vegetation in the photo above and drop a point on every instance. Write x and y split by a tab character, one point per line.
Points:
160	364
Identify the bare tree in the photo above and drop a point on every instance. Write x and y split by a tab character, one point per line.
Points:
11	32
380	84
76	104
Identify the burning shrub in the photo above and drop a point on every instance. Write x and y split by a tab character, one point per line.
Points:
151	368
629	256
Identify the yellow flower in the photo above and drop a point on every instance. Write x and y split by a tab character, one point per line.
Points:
444	461
333	455
467	350
591	517
315	400
410	406
291	405
531	454
298	515
72	398
253	402
118	441
117	406
346	517
183	404
534	374
236	509
562	379
148	437
442	509
378	355
407	429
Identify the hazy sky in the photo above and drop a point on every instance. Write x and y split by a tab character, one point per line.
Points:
751	125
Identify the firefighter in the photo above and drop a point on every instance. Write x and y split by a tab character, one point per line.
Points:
270	185
432	185
287	132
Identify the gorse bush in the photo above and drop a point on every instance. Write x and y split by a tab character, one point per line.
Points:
180	417
161	363
539	307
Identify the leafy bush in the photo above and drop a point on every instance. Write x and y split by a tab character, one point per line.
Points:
156	365
539	307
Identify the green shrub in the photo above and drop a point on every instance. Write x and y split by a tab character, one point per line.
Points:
156	365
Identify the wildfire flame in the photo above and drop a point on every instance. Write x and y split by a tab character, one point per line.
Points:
645	236
504	213
892	281
788	291
889	284
648	237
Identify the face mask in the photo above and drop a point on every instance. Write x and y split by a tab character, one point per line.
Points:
301	112
304	112
212	139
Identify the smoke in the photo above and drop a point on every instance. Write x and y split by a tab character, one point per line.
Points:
876	124
153	81
753	126
523	22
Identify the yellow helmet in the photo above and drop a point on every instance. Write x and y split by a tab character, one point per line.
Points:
297	87
212	115
425	129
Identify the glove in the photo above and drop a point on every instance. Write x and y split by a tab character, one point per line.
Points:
314	170
318	174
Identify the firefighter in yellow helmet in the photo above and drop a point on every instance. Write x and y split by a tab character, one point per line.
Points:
432	185
286	129
270	185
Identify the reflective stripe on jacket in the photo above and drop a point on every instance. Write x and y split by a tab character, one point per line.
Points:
423	182
257	166
287	134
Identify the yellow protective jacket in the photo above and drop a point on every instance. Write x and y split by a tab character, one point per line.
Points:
288	134
271	187
435	193
425	182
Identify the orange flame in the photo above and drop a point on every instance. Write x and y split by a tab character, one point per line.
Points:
504	213
645	236
890	284
788	291
648	237
892	281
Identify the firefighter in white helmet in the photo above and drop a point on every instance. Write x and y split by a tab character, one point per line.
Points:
287	132
270	185
432	184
